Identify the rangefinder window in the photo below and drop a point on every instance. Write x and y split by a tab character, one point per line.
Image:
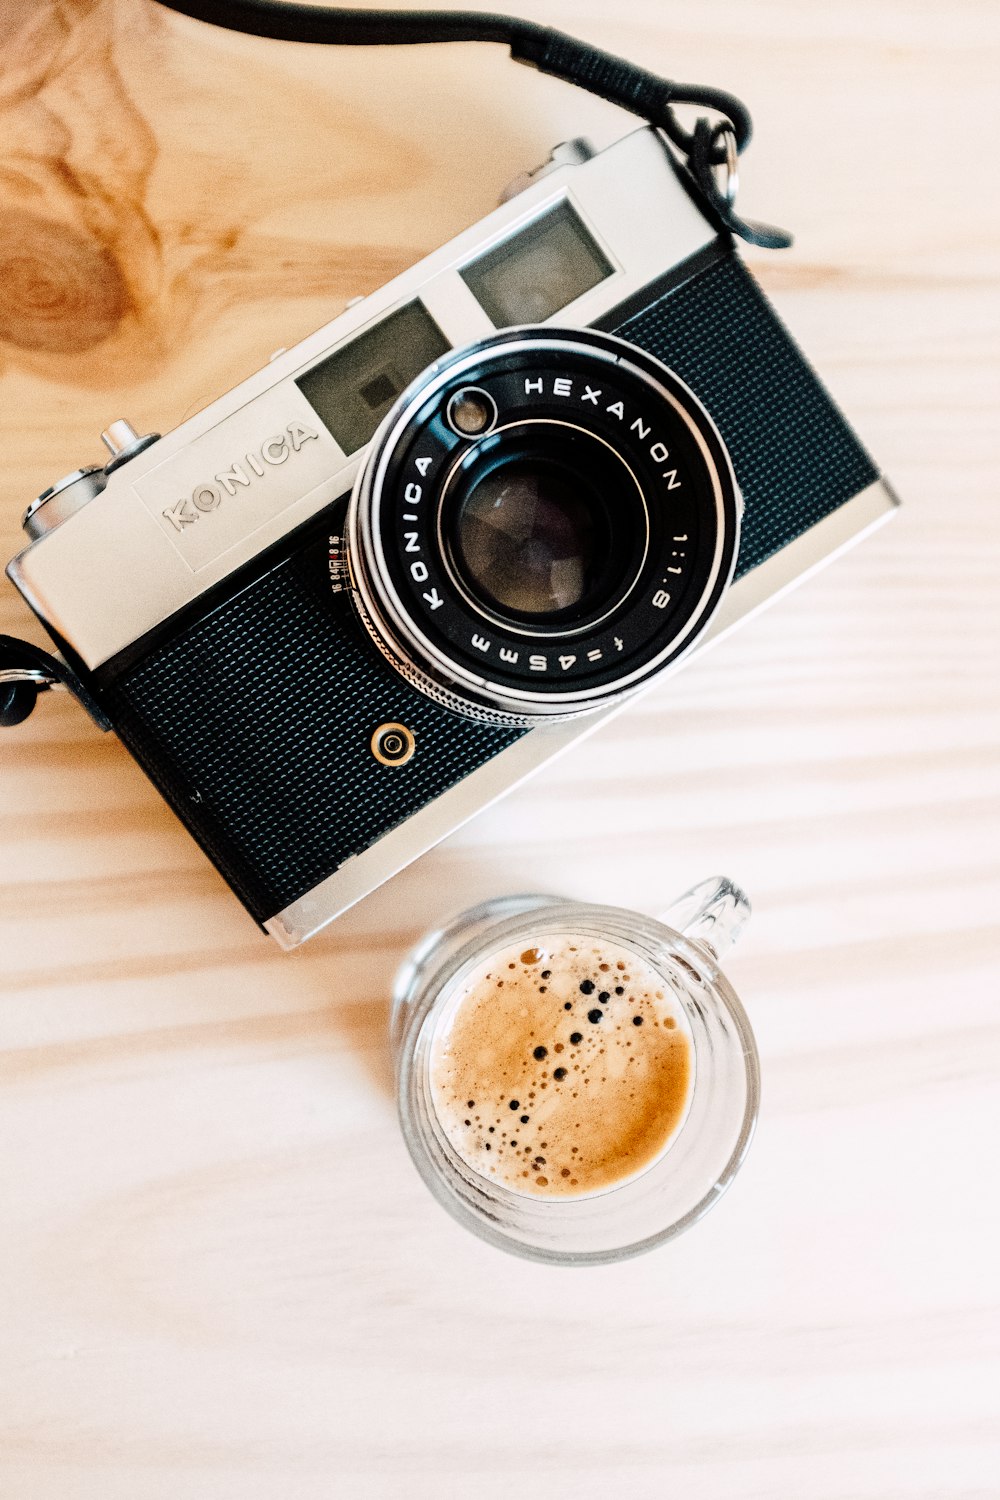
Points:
352	390
533	274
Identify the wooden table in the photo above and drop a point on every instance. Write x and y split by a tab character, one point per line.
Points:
219	1275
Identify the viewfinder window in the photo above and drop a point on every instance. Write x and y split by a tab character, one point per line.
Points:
543	268
352	390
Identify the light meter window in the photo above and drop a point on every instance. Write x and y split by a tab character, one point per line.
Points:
535	273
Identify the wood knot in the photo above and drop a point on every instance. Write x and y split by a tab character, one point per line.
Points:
60	291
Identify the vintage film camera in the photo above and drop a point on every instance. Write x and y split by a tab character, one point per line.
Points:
369	590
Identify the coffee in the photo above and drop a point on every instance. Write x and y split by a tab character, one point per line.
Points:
564	1067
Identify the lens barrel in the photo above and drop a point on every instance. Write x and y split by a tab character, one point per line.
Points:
543	521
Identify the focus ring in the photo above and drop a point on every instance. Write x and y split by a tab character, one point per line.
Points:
427	685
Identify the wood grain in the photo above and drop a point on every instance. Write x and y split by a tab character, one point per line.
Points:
219	1275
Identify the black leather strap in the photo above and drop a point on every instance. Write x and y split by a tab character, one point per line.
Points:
26	671
614	78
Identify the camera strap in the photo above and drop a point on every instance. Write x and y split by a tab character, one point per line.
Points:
704	151
26	671
709	148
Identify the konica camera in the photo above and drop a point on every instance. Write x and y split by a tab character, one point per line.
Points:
367	591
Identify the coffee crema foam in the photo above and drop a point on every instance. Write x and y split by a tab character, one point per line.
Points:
565	1067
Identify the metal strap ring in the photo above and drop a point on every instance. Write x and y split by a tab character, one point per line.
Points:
725	134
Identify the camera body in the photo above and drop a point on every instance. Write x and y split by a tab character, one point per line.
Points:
221	591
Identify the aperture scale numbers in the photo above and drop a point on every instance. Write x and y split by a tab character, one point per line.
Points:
336	563
661	598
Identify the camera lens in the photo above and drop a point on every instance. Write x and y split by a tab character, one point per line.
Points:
543	521
543	525
528	537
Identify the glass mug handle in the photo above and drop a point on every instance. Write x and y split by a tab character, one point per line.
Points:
712	914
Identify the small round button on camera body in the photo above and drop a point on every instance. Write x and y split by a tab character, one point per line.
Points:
472	412
393	744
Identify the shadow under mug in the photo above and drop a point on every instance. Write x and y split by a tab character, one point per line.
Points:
702	1158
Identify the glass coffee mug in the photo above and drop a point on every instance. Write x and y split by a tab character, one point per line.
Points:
539	946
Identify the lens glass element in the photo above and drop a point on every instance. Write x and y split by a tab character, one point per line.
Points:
529	537
544	525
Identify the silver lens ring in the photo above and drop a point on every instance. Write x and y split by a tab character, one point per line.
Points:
570	602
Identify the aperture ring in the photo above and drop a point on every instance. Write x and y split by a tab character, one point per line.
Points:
427	685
